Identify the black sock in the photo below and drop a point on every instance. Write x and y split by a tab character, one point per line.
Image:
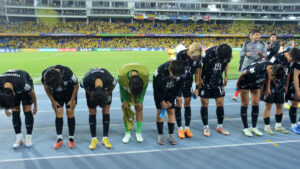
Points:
59	122
160	127
16	120
29	122
71	125
278	118
171	128
293	114
244	116
267	120
254	115
93	124
187	115
105	121
178	116
60	139
204	115
220	114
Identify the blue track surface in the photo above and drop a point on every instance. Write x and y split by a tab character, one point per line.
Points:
217	151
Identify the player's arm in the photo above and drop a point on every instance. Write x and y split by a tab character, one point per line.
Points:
33	96
226	75
268	81
296	83
287	83
142	96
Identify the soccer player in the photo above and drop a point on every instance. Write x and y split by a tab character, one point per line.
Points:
61	86
191	59
293	92
215	62
252	51
99	85
251	80
167	82
273	46
133	82
16	86
277	89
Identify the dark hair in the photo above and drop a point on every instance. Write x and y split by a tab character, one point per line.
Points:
224	52
278	71
136	85
273	34
7	98
295	54
255	31
176	67
52	78
99	97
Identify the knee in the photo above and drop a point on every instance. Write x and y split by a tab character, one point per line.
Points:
70	114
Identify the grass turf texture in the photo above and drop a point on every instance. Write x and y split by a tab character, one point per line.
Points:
81	62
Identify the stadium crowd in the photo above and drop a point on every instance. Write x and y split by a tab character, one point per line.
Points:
143	27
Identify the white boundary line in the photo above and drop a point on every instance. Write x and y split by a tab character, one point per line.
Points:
147	151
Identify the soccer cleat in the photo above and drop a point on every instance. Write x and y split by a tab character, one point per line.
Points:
188	133
160	139
171	139
180	133
256	131
206	132
296	130
287	106
93	144
28	142
71	144
223	131
234	98
106	143
247	132
58	144
281	129
126	138
17	144
268	130
139	137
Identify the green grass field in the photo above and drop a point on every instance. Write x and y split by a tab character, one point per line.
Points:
81	62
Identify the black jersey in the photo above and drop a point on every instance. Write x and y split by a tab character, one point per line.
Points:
213	69
280	59
190	66
90	77
256	73
164	86
294	65
21	81
69	80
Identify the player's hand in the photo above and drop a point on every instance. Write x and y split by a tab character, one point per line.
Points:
249	53
267	93
124	105
34	109
285	90
71	104
8	113
164	105
196	93
169	104
225	81
297	95
259	53
55	105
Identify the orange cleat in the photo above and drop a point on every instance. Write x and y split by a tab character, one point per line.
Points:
71	144
180	133
58	144
188	133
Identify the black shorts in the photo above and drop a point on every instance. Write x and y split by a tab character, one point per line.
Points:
290	95
211	93
249	86
25	98
157	102
88	100
277	98
186	92
63	97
